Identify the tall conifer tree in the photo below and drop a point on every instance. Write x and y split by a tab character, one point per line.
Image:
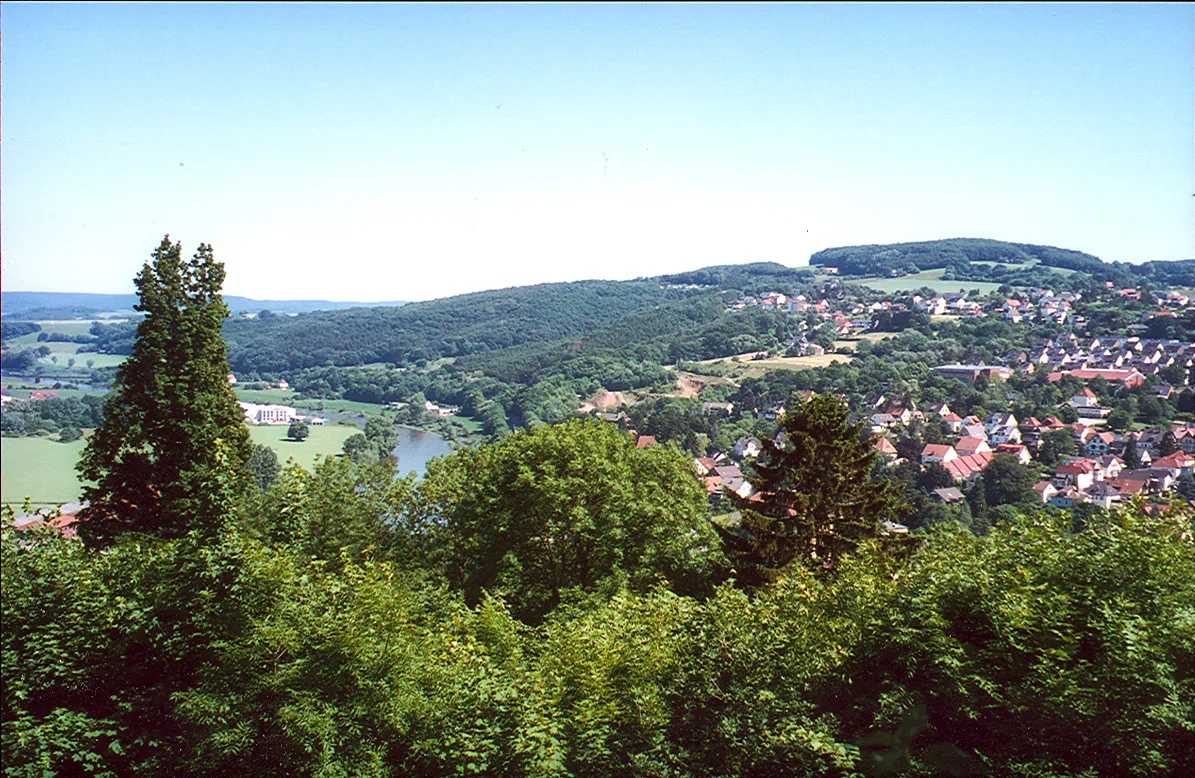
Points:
174	448
816	497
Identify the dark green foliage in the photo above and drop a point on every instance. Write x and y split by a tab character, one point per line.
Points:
1007	482
913	257
452	327
1056	445
1131	456
18	360
298	430
53	414
378	441
112	338
565	507
174	443
263	462
819	500
15	329
1032	651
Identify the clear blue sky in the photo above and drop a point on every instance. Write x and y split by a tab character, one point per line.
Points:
380	152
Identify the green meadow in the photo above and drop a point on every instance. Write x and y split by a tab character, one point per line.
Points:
323	441
44	470
38	468
61	353
929	278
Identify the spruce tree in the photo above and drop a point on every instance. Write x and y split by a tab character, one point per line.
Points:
816	499
1132	457
174	447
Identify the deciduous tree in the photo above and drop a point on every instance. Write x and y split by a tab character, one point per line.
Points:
563	507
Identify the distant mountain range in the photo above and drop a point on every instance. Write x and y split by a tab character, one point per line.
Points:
78	305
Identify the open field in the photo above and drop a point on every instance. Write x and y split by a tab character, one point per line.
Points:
749	367
323	441
44	470
38	468
853	342
929	278
344	406
288	397
265	396
64	351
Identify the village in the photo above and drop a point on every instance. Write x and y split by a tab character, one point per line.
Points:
1020	306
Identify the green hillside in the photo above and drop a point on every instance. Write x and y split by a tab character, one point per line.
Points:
977	259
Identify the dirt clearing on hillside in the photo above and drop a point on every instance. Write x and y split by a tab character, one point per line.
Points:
604	401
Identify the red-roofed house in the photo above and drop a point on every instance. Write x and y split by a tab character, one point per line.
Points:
1018	451
1079	474
967	468
939	453
1044	490
646	441
968	446
1130	378
1180	462
1085	398
885	447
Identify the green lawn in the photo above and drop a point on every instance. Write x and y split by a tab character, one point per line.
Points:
287	397
44	470
322	442
266	396
344	406
930	278
38	468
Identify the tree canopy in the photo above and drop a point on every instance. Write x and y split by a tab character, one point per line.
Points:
563	507
174	446
816	498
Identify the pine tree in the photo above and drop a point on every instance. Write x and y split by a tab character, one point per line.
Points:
819	500
174	447
1132	457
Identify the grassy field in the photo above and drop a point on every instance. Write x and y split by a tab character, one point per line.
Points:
749	367
38	468
344	406
64	351
266	396
44	470
852	343
326	440
287	397
930	278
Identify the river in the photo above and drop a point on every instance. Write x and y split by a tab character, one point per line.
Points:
416	447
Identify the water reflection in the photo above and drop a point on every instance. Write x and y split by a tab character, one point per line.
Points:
416	447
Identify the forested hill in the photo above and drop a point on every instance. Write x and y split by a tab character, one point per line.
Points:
961	254
449	327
